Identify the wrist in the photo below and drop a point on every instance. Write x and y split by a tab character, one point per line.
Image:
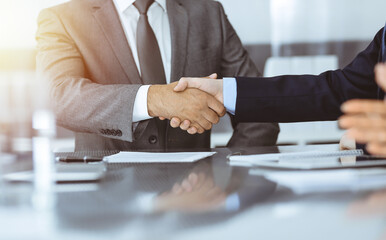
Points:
153	100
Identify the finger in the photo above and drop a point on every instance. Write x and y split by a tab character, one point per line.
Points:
380	75
364	106
185	83
376	149
186	185
185	125
204	123
347	143
216	106
175	122
213	76
193	180
181	85
367	135
362	121
200	130
211	116
201	179
192	130
223	113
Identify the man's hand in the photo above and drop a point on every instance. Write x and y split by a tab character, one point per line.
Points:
366	123
210	84
200	108
366	119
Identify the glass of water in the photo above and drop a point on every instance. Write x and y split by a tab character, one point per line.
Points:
27	127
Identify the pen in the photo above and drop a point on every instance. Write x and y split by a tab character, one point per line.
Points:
86	159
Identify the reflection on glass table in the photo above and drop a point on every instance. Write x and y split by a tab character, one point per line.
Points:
203	193
370	206
199	192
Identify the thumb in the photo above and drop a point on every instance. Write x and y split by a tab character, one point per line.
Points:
380	72
181	85
185	83
213	76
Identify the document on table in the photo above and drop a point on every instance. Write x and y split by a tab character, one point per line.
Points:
303	182
293	155
146	157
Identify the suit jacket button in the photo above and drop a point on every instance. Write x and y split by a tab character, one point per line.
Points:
119	133
108	132
153	139
103	131
114	132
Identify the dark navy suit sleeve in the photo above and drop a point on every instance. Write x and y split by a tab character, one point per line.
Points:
309	97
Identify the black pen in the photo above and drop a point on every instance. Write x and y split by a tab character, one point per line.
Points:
86	159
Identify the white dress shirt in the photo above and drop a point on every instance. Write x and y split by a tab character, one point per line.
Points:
159	22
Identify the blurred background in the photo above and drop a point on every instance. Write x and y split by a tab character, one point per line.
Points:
282	37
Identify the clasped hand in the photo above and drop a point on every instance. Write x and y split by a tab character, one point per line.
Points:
210	85
197	108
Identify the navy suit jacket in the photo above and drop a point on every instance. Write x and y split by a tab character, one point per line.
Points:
309	97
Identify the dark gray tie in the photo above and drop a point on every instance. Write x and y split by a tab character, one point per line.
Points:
152	70
150	60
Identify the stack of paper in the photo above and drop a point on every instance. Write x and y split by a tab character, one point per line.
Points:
295	155
302	182
144	157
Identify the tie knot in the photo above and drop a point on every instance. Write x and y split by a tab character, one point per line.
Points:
143	5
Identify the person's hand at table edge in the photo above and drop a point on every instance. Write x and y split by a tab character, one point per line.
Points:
366	119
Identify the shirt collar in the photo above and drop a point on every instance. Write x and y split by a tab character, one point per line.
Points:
122	5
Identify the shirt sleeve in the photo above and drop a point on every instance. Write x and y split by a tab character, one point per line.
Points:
140	112
230	94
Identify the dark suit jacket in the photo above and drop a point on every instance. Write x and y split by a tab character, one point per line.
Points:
83	52
309	97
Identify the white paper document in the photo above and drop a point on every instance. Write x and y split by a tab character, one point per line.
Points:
293	155
146	157
302	182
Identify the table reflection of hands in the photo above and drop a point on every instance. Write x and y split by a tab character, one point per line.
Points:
371	206
196	193
374	204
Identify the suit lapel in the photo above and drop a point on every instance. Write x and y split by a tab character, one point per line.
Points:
179	24
107	18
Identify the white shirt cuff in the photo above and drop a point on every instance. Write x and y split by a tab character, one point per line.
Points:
140	112
230	94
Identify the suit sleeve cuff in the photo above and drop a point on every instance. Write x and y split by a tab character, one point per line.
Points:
230	94
140	112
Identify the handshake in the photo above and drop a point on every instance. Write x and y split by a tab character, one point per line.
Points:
193	104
